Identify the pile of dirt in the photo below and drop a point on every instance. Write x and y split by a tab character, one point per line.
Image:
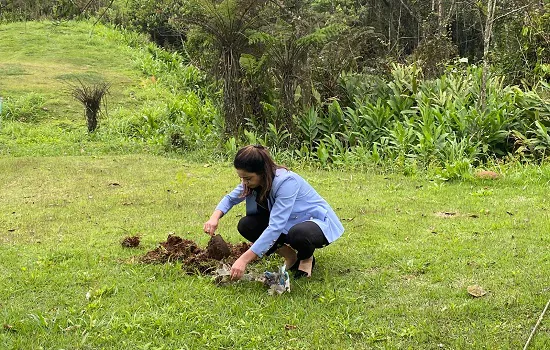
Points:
130	241
217	248
194	259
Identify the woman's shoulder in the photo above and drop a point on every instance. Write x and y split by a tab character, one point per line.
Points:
283	175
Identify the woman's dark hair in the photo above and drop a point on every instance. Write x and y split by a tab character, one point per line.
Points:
256	159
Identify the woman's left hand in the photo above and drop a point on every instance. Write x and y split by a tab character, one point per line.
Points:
238	268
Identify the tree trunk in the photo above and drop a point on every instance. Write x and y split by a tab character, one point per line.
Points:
91	118
440	18
487	34
288	88
232	101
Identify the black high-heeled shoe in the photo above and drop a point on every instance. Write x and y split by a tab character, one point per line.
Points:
299	273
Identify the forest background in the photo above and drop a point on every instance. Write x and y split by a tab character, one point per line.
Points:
408	84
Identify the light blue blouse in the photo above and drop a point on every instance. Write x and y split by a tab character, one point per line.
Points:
291	201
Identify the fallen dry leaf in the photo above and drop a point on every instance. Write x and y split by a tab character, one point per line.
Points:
476	291
290	327
486	174
9	327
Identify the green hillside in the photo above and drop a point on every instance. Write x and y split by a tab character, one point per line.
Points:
42	62
43	57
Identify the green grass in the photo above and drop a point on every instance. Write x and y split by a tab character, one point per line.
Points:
396	279
49	55
42	61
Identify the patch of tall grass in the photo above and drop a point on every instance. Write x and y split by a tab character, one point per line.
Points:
27	108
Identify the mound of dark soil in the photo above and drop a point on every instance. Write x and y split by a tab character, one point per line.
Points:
194	259
130	241
217	248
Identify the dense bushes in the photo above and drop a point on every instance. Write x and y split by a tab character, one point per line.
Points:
403	121
408	120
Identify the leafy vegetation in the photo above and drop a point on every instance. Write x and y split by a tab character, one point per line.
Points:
428	121
404	122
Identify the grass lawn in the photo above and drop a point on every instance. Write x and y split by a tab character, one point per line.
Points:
397	279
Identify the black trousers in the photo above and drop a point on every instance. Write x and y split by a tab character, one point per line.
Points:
304	237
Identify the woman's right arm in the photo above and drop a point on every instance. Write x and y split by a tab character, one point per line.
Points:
226	203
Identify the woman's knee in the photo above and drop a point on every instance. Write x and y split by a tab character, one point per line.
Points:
298	235
246	227
306	234
251	227
242	226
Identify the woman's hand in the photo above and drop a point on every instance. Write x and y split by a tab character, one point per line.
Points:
238	268
210	226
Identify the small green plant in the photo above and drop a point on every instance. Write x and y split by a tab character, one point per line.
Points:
540	142
308	126
457	170
277	137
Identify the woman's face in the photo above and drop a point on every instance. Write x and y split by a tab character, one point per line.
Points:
251	180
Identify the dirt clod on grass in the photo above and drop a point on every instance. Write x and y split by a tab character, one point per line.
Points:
196	260
130	241
217	248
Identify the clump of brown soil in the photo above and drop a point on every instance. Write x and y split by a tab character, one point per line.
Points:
175	248
217	248
130	241
194	259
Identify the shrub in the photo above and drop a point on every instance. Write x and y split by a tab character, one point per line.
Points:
435	122
91	97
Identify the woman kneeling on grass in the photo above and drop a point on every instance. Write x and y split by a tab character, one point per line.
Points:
284	214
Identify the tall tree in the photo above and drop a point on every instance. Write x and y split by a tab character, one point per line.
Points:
292	31
226	22
487	34
489	11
